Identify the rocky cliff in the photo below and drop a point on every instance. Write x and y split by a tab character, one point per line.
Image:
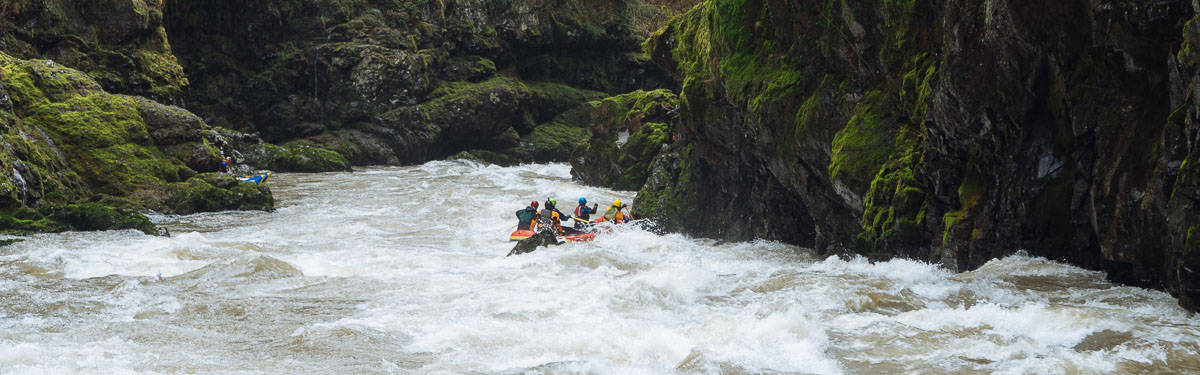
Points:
67	141
953	132
120	43
332	83
410	81
83	145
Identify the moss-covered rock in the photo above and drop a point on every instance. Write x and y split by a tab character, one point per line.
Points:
82	217
65	141
628	132
487	157
425	79
29	221
298	156
121	44
208	192
95	216
551	142
937	130
501	114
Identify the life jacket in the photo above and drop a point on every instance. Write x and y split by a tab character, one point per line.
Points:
615	215
548	218
582	212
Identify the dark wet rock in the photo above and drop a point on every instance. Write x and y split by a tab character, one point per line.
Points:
422	81
486	157
1103	340
82	217
75	157
95	216
120	44
299	156
528	245
940	131
209	192
628	132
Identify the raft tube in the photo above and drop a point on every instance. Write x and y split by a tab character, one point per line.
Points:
582	237
520	234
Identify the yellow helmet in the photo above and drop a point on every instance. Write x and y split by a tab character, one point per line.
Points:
617	203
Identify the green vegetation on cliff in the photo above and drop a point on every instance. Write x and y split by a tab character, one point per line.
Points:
628	132
937	130
73	151
120	44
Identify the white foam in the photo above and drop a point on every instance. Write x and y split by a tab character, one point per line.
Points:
404	268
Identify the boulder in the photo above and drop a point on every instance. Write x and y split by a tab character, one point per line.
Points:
528	245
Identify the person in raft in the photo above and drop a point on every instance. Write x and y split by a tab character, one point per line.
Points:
615	215
584	213
526	216
551	218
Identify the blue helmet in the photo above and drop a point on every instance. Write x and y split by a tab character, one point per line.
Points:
582	200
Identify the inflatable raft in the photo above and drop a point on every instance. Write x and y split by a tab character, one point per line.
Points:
522	234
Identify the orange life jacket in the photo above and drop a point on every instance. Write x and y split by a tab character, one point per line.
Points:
549	219
615	215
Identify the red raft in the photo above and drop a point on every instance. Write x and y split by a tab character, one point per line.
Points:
521	234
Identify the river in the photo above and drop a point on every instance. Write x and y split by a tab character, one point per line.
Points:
403	270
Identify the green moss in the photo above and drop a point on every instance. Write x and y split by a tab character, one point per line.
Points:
162	72
949	219
126	167
93	121
646	122
1189	53
209	192
667	197
488	157
485	67
970	190
862	147
551	99
82	217
72	142
627	111
35	82
893	206
14	226
95	216
1192	242
303	156
553	141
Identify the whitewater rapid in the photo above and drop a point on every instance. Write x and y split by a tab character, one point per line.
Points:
402	270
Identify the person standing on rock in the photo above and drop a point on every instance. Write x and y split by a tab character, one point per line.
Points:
225	162
526	216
